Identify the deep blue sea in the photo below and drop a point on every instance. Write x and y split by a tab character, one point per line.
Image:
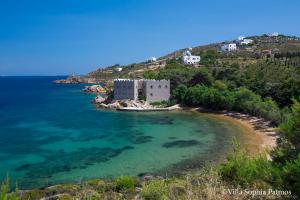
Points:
52	134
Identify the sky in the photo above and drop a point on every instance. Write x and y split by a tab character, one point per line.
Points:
60	37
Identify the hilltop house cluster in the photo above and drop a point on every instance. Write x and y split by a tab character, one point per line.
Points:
144	89
241	41
233	45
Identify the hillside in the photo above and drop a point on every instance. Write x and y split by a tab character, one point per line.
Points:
263	47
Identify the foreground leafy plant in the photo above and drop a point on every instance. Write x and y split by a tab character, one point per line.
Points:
155	190
124	183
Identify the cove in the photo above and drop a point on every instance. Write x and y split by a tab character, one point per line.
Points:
51	134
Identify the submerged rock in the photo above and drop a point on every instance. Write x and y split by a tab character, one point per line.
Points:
181	143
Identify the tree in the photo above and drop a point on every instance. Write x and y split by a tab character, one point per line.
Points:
291	128
179	93
150	74
203	76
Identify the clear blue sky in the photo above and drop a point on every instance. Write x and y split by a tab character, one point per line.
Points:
54	37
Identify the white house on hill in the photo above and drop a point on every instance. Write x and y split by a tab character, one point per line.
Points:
189	59
118	69
229	47
275	34
240	38
245	41
152	59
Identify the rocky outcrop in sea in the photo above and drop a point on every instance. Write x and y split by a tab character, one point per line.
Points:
94	89
101	102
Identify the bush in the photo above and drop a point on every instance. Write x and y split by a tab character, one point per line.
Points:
150	74
155	190
124	183
291	128
291	176
4	192
179	93
203	76
220	85
258	172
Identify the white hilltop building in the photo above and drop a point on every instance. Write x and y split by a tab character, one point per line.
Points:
229	47
152	59
275	34
118	69
244	41
189	59
240	38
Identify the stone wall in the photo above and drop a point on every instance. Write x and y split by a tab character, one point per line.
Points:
157	90
125	89
149	90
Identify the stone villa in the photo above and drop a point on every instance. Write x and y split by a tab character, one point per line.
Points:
144	89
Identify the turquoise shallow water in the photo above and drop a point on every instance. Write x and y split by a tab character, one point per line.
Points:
52	134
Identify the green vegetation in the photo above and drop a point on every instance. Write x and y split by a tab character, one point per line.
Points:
219	97
243	81
4	192
155	190
124	183
242	170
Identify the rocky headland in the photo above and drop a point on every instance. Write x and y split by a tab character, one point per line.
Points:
73	79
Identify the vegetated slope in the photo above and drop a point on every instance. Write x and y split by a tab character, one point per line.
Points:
262	48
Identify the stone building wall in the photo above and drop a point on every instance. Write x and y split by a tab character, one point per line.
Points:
125	89
157	90
149	90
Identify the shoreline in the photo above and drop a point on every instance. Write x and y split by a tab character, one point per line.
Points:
265	139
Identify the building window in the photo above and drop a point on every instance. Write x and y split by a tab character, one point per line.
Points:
151	94
151	86
159	86
166	86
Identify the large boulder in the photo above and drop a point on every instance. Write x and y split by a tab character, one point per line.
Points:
94	89
99	99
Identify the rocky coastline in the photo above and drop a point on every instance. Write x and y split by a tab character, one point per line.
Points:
73	79
130	105
95	89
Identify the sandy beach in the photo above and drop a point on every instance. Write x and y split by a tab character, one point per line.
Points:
259	136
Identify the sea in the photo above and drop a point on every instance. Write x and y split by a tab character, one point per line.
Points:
53	134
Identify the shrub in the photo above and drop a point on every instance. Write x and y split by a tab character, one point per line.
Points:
124	183
220	85
244	171
150	74
179	93
155	190
291	128
291	176
203	76
4	192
